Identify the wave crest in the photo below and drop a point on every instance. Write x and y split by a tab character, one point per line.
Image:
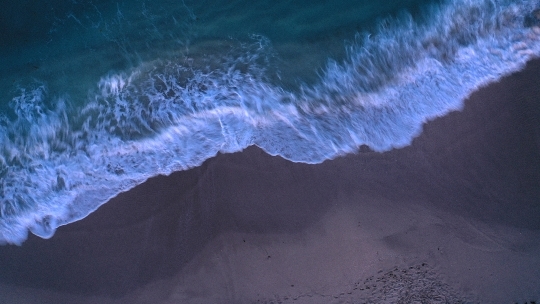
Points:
59	164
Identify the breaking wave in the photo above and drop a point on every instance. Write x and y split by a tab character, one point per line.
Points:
59	163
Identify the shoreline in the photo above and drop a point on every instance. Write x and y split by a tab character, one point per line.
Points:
257	224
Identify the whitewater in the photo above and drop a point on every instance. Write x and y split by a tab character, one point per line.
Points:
60	162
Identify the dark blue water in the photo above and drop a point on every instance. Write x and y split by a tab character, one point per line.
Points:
98	97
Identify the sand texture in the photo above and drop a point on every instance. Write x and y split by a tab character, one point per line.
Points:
453	218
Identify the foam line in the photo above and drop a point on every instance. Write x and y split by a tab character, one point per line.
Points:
165	116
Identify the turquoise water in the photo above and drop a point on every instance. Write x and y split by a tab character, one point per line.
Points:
98	97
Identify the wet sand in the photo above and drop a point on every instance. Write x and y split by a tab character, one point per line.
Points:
453	217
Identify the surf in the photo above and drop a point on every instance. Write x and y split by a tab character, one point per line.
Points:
60	162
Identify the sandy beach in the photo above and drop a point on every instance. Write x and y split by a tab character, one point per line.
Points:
452	218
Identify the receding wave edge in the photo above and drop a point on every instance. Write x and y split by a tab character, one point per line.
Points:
166	116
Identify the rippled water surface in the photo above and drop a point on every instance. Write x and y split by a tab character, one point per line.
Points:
98	97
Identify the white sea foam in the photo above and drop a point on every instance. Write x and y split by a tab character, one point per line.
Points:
166	116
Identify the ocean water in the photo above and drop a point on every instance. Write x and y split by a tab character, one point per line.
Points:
96	97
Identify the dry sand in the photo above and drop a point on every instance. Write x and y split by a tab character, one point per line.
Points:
455	217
